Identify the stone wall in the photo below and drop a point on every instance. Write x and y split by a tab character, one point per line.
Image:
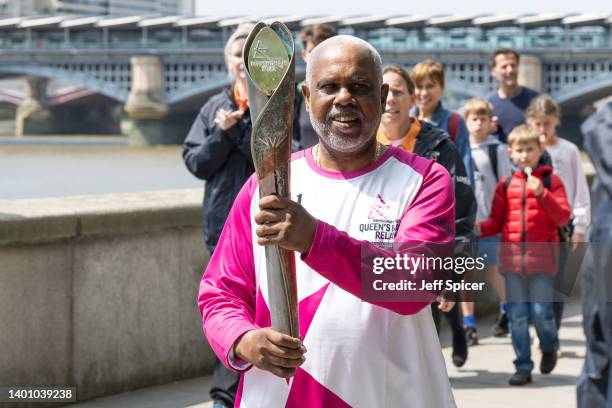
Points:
99	292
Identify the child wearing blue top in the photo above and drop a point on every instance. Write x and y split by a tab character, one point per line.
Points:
491	163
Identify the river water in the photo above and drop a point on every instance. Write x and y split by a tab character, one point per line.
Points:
53	170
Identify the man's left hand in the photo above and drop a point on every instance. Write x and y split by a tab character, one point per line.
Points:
445	305
285	223
226	119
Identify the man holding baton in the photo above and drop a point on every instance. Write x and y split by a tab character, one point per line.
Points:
352	352
218	150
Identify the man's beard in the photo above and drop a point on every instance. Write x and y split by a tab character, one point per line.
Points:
342	144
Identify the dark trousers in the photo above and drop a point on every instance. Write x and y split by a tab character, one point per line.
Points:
594	386
594	391
225	382
453	317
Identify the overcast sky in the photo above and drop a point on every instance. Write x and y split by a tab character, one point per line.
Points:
395	7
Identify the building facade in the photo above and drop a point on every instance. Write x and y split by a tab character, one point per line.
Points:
19	8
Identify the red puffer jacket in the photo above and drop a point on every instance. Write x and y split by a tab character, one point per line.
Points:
531	223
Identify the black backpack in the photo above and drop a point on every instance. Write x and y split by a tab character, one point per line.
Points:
493	159
492	152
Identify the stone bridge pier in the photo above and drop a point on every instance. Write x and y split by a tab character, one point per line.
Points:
33	115
145	108
530	72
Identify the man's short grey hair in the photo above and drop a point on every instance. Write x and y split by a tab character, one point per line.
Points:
340	40
241	33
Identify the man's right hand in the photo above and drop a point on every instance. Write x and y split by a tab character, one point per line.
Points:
272	351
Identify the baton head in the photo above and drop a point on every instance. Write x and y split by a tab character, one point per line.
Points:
267	60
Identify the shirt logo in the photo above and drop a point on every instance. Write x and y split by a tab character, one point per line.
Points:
379	210
381	227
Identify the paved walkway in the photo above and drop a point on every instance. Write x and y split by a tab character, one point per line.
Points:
181	394
482	382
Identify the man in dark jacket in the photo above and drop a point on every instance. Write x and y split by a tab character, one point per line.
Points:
218	150
594	385
218	146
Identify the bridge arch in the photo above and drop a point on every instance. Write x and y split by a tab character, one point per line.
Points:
204	89
93	79
585	92
211	86
187	78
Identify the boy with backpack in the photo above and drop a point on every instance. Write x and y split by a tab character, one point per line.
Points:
528	208
491	162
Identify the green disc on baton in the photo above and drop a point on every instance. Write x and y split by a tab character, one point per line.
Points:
268	60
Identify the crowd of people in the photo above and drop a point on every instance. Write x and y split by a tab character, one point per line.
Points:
501	174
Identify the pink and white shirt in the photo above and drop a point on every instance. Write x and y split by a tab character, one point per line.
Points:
359	354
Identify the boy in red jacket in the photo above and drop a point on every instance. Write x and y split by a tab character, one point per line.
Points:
528	208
